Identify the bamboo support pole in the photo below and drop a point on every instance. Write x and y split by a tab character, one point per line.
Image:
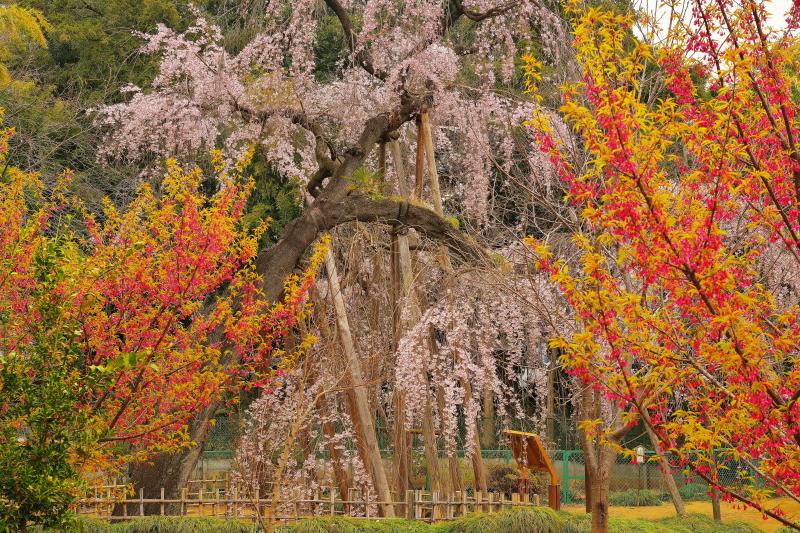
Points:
359	388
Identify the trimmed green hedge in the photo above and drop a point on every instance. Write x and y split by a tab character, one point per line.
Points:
532	520
637	498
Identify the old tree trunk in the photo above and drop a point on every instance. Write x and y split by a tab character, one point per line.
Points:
335	204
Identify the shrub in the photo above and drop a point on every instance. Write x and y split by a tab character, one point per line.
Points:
695	492
181	524
159	524
78	524
502	478
636	498
344	524
530	520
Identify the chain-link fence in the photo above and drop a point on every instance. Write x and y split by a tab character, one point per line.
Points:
630	476
629	479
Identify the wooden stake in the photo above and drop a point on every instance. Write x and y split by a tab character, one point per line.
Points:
403	293
419	174
362	409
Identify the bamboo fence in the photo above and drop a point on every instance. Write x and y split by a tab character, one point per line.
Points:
218	498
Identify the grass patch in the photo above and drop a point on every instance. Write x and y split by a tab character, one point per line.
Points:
694	523
159	524
344	524
531	520
538	520
636	498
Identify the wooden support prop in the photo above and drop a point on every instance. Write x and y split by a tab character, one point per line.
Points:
362	409
529	453
447	266
433	175
403	292
419	174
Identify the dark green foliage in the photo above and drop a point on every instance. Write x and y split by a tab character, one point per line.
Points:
92	49
92	52
274	196
329	48
40	428
637	498
502	478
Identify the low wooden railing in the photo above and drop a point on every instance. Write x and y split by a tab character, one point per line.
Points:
210	499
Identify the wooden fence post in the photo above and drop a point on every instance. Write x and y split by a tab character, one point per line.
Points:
333	501
183	501
258	501
350	498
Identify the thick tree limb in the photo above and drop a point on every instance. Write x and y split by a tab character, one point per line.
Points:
279	260
339	203
360	56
